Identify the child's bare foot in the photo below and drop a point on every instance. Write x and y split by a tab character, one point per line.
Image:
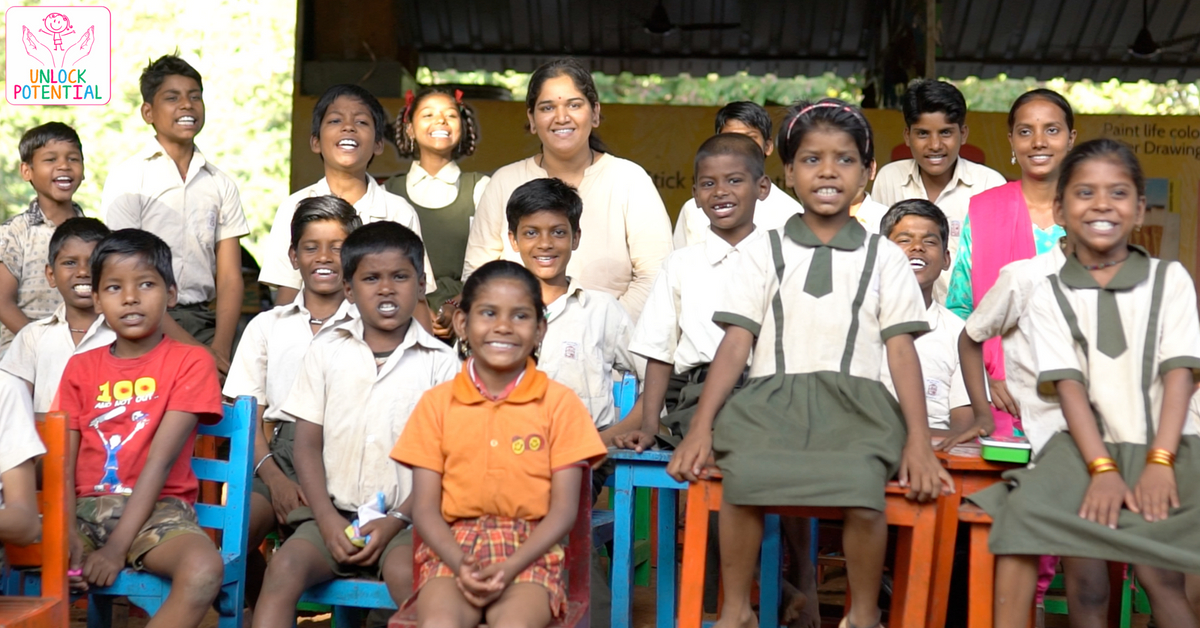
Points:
846	623
810	614
743	620
793	604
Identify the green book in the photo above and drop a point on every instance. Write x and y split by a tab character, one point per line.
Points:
1014	449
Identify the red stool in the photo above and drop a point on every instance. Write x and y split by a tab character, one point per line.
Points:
910	594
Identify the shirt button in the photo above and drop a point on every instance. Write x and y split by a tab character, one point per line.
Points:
495	442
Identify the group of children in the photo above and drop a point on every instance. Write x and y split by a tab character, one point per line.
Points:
806	349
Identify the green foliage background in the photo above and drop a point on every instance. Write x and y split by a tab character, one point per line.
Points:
244	50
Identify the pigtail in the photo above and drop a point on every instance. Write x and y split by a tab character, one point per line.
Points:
470	130
406	145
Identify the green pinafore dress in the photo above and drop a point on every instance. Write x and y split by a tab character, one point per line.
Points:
824	438
1036	512
445	231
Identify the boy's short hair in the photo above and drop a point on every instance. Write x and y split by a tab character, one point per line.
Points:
378	115
130	242
920	208
82	227
930	96
318	208
737	145
544	195
748	113
378	237
43	134
154	74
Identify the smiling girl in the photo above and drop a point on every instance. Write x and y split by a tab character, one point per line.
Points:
626	232
1118	343
435	130
490	550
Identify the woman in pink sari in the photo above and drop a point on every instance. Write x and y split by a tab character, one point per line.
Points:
1014	222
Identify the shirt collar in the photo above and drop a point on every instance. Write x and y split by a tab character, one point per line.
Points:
559	305
1134	271
59	317
154	150
848	238
38	217
366	206
962	174
531	386
449	173
297	306
416	335
716	249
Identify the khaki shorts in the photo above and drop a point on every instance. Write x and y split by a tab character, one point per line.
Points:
97	517
307	530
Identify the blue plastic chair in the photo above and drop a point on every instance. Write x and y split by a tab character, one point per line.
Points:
148	591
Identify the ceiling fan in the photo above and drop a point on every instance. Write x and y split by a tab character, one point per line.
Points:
1144	46
660	23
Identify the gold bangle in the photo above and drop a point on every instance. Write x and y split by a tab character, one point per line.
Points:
1161	453
1160	456
1103	468
1101	462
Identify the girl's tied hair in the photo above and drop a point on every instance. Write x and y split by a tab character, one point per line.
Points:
829	112
468	141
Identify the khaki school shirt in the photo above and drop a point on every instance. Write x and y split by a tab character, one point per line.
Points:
21	441
376	205
937	351
1119	396
587	337
191	215
677	325
40	352
692	226
363	410
271	351
1004	312
815	329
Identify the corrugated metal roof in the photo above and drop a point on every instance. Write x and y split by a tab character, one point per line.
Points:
1040	38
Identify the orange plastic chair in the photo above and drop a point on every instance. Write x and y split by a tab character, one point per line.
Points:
914	547
51	610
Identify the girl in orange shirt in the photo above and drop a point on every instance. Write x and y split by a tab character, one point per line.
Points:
490	548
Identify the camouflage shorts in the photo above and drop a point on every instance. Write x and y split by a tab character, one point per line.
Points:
97	517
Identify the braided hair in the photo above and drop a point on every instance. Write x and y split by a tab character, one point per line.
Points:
468	141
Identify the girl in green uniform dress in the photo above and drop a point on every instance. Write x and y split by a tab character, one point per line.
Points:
436	129
1117	340
817	301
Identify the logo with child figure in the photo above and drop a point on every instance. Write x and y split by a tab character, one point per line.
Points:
58	55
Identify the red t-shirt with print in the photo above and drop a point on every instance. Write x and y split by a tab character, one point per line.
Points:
117	404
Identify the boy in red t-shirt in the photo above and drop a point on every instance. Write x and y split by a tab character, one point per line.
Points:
134	407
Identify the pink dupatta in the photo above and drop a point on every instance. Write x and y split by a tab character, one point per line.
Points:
1001	233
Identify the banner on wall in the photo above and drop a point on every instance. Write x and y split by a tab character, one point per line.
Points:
663	140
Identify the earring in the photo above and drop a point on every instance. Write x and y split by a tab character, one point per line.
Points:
1014	159
464	349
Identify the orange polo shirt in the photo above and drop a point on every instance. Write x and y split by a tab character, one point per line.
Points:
496	457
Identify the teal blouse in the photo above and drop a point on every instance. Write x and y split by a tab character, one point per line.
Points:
960	298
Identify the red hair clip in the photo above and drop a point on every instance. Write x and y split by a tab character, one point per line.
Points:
458	96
